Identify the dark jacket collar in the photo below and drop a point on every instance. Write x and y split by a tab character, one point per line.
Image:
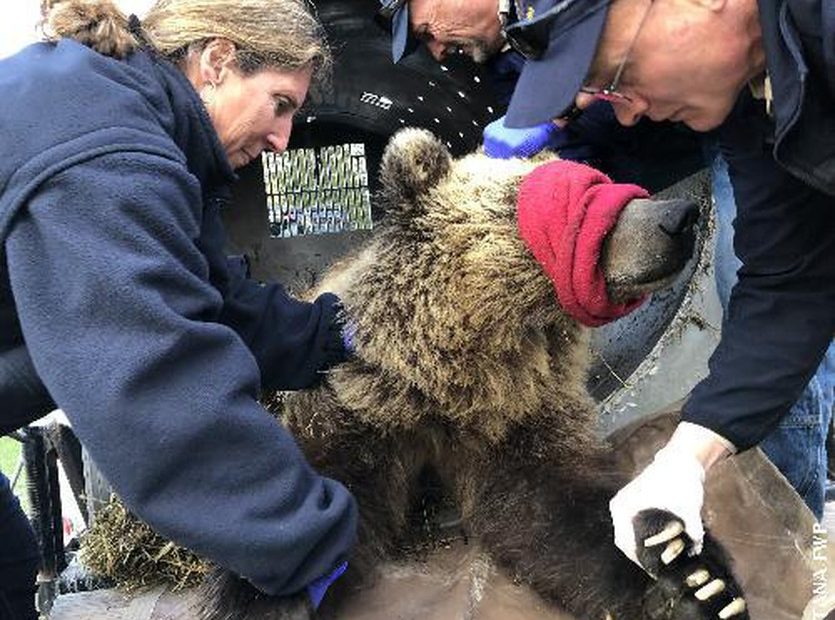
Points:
800	71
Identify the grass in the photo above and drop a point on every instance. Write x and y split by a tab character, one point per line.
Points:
9	458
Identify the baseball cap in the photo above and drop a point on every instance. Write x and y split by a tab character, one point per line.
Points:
558	39
393	15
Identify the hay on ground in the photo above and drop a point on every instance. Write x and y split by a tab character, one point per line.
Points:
127	552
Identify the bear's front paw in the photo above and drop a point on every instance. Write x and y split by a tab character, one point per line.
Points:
687	587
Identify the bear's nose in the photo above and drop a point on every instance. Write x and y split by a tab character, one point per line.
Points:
678	217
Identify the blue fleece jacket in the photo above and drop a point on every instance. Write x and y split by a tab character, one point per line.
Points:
113	277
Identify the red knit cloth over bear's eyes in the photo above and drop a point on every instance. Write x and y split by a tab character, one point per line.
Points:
565	211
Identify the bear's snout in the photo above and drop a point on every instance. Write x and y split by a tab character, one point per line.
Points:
650	244
678	217
677	220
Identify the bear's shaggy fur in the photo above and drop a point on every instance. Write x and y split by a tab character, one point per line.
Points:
466	365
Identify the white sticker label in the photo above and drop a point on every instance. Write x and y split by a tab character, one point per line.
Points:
378	101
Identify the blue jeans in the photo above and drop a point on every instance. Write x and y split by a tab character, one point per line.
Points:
798	445
19	559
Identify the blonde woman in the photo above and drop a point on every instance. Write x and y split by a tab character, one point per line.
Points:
117	304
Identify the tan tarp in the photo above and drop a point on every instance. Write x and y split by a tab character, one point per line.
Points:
785	561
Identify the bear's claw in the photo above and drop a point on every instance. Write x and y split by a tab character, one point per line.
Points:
734	608
672	550
673	529
687	587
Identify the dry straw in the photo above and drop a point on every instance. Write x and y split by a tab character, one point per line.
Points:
127	552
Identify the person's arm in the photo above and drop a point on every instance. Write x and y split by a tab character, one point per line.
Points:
293	341
780	319
778	326
121	322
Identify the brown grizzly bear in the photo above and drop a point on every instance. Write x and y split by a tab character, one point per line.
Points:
466	365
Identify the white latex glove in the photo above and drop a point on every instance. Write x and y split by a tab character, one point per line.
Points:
674	481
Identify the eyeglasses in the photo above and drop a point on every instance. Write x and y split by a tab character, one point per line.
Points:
385	14
530	37
610	93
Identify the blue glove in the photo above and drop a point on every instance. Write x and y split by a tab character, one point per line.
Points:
503	142
349	330
317	589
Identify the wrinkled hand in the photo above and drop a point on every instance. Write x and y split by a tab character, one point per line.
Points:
673	482
502	142
317	589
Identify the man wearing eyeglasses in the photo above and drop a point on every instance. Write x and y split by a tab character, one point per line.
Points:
653	156
762	72
703	62
447	26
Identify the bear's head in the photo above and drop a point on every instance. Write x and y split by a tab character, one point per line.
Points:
453	317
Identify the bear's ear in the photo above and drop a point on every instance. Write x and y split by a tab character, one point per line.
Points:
413	162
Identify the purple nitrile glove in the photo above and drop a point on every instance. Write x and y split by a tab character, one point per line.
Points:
349	330
316	590
502	142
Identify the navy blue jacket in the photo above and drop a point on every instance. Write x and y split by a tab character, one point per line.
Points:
114	280
781	316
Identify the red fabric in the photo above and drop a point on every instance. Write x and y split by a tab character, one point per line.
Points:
565	211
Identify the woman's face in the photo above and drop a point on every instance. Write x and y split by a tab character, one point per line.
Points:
251	113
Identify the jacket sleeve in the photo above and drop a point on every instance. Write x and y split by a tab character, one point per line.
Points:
293	341
780	319
122	325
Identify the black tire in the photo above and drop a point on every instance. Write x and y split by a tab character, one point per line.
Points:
451	99
370	97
